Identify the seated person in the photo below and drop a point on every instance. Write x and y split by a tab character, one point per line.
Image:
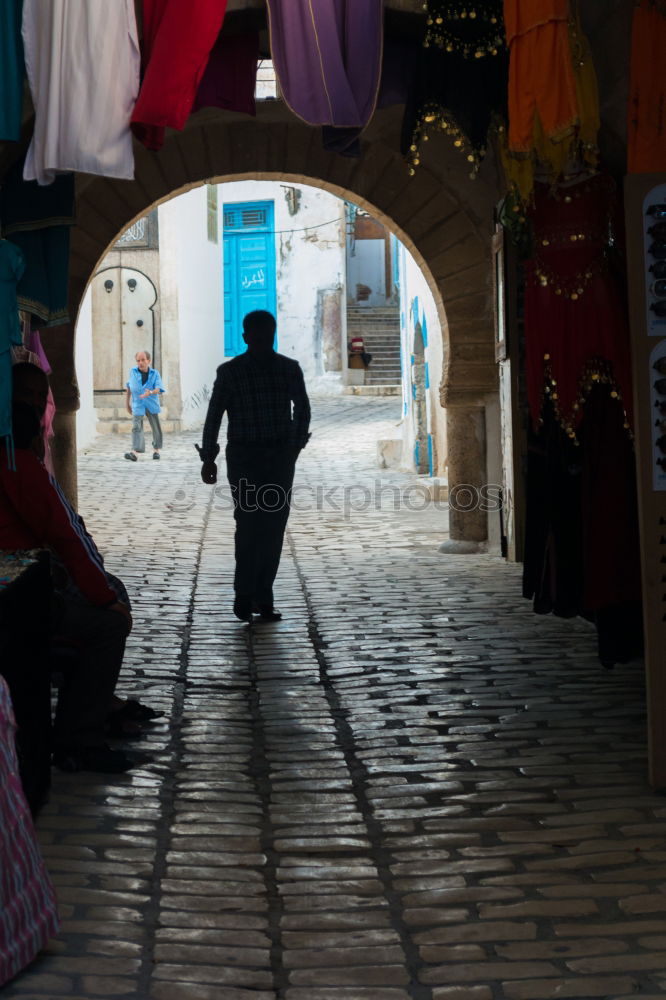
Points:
35	514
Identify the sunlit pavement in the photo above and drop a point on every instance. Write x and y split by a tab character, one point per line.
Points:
411	787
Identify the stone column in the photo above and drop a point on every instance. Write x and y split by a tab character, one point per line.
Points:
63	449
466	441
59	346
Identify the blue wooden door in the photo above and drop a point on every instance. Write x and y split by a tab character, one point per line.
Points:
249	267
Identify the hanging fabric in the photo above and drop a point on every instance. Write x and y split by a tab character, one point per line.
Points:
646	125
12	68
28	905
38	220
11	269
576	327
581	539
82	61
177	42
554	156
461	79
540	71
230	77
399	61
328	58
581	536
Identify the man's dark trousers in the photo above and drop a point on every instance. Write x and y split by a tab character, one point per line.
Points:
261	478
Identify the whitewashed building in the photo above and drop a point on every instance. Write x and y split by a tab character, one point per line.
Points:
180	280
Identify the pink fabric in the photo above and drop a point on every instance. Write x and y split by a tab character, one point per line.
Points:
28	916
33	342
36	355
48	432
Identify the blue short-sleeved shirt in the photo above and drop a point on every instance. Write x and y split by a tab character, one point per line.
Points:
151	404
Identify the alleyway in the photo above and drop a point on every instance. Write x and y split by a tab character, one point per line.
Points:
412	787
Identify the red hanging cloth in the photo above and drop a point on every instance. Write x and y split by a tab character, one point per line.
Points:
576	326
178	36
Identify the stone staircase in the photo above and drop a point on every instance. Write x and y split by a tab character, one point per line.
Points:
112	418
380	329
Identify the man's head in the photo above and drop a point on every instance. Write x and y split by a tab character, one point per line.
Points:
25	425
259	331
142	359
30	385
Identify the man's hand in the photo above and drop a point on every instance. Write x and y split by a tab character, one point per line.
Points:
209	473
120	608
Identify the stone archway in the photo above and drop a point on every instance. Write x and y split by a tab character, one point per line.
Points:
447	231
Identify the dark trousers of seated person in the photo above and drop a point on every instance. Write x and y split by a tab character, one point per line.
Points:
86	692
261	477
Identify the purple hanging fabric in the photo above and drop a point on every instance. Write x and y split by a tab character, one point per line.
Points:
33	342
328	57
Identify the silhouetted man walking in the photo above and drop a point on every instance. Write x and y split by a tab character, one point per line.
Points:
264	396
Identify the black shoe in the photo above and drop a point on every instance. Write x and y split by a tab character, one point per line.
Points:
130	456
267	613
102	759
135	710
243	608
156	455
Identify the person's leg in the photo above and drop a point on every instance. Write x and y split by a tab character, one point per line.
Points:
138	440
156	428
274	499
86	695
241	474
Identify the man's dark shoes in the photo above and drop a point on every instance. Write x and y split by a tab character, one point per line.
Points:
138	712
129	719
156	455
130	456
267	613
243	607
102	759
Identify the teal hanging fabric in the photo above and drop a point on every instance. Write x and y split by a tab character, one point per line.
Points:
37	219
11	269
12	70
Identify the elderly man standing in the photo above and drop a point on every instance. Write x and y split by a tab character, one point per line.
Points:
142	399
264	396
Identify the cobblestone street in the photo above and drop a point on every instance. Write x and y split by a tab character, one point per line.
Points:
412	788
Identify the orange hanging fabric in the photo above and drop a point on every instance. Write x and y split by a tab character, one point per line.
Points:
541	79
646	126
552	157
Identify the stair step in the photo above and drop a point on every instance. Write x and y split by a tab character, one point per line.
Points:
380	329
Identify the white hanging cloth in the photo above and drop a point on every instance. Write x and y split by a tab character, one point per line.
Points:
82	60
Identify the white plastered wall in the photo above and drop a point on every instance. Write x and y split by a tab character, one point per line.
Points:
418	305
192	321
83	353
309	256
